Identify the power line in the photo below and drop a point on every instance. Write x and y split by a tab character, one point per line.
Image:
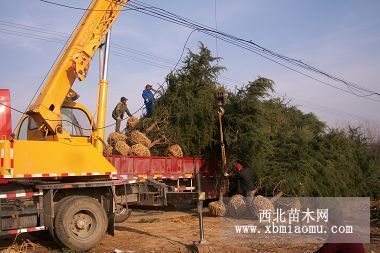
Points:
33	28
322	107
152	60
143	54
27	35
140	60
73	7
184	46
47	73
216	28
253	47
151	57
160	13
227	81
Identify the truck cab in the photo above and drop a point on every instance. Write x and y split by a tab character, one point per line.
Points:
77	123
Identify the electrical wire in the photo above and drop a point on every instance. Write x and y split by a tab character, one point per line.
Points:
160	13
216	28
68	121
47	74
151	58
261	51
179	59
120	54
227	81
72	7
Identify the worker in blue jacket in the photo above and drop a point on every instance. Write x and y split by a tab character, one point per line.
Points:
148	97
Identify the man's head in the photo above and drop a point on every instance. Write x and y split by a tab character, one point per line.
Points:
239	167
148	86
123	100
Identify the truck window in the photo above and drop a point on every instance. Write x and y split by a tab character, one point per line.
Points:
23	130
75	122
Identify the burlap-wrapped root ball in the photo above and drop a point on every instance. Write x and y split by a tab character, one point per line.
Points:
114	137
261	203
107	150
217	208
139	150
137	137
285	204
122	148
132	122
174	150
237	206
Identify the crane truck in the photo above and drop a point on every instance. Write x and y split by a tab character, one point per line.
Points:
53	175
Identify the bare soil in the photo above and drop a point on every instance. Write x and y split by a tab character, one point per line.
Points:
176	231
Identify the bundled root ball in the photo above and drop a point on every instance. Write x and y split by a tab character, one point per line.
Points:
137	137
139	150
175	150
107	150
261	203
122	148
114	137
132	122
217	208
286	204
237	206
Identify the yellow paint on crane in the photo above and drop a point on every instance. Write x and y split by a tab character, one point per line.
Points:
59	158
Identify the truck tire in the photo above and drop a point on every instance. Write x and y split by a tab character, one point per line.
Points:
80	223
122	213
56	208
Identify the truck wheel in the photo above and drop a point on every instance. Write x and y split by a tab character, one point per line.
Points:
80	223
56	208
122	213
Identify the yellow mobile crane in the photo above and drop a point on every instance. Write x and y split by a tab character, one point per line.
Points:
56	176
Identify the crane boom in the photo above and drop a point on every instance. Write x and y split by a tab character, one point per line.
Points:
73	63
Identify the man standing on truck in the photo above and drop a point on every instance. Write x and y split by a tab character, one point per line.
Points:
148	97
118	112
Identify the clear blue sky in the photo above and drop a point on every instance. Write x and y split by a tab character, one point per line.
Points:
341	37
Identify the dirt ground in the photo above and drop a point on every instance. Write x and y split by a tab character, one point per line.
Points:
175	231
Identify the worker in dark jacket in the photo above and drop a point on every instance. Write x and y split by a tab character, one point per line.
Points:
245	177
118	112
148	97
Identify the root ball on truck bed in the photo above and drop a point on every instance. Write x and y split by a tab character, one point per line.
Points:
137	137
139	150
114	137
122	148
132	122
175	150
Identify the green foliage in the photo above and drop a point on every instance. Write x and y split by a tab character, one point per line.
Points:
273	138
189	102
280	142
